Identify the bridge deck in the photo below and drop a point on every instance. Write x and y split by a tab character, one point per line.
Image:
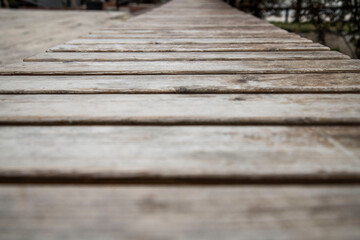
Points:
192	121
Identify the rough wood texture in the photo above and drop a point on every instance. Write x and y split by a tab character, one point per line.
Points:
212	51
238	83
182	109
196	47
183	67
185	34
163	26
232	213
146	33
245	153
82	41
185	56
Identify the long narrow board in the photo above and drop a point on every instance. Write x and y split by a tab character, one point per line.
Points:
189	41
194	25
181	109
185	20
239	83
198	33
196	152
208	27
250	47
183	67
184	35
193	213
185	56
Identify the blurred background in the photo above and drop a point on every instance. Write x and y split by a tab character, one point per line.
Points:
32	26
334	23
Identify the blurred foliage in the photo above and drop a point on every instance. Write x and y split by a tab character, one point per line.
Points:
341	17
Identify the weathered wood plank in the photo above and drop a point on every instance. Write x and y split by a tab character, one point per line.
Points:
211	213
185	35
250	47
198	152
194	25
239	83
188	56
82	41
190	22
183	67
188	32
244	20
181	109
209	27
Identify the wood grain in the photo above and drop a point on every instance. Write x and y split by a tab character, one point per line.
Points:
185	34
266	111
146	33
238	83
110	212
183	67
82	41
236	153
250	47
185	56
181	109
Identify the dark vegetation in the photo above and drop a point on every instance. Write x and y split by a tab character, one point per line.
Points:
340	17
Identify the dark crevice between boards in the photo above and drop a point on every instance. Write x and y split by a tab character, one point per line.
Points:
97	73
178	91
285	123
183	181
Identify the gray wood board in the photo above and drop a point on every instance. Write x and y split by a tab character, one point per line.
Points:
181	109
82	41
250	47
185	35
191	23
183	67
195	33
187	56
238	83
193	213
232	152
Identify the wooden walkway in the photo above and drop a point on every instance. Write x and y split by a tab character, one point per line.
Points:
193	121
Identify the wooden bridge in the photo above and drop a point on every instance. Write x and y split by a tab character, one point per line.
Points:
193	121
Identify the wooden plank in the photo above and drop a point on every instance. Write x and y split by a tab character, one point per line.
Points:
184	35
179	152
196	32
209	27
241	47
183	67
243	83
115	212
191	17
242	21
181	109
189	41
185	56
195	24
210	18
